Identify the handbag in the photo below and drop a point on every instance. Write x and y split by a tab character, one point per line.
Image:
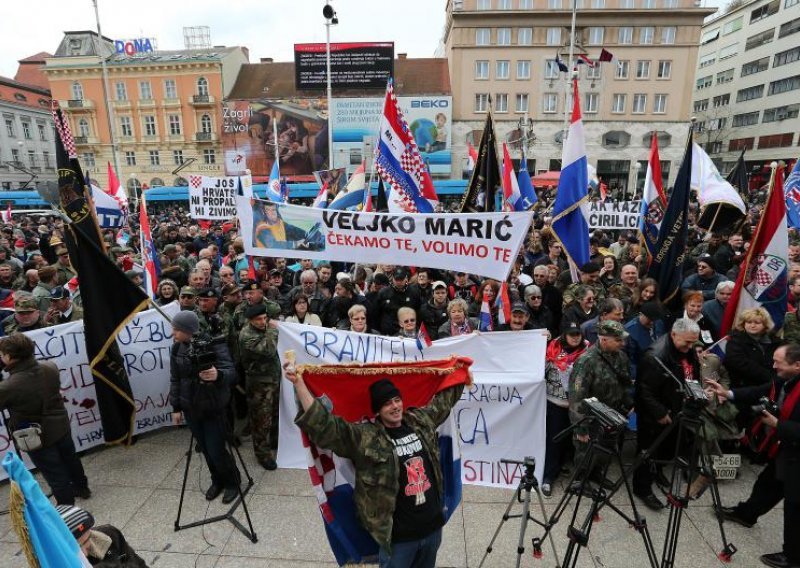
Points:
28	439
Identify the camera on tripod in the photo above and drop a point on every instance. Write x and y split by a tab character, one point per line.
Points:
201	353
608	418
765	404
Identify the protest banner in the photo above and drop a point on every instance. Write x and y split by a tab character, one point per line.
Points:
214	197
614	214
502	415
145	344
484	243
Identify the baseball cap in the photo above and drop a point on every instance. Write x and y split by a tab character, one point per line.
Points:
438	284
518	307
611	328
188	291
25	303
59	293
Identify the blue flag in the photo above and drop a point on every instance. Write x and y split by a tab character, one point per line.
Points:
527	193
792	192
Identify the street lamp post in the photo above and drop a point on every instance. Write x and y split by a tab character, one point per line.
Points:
331	19
636	168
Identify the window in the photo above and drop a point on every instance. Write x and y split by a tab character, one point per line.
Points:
525	36
596	36
790	3
756	66
598	3
722	100
209	157
788	56
549	103
553	36
522	102
713	147
625	36
593	72
155	158
503	36
750	93
646	35
525	4
523	69
781	113
554	4
648	3
145	90
83	128
481	69
709	36
481	102
504	4
15	156
738	144
725	76
42	131
776	141
205	124
121	91
26	130
618	103
551	69
623	69
732	26
745	119
626	4
700	105
32	159
46	160
125	128
789	28
170	89
704	82
174	124
77	91
670	3
664	69
590	104
639	103
758	40
130	158
149	125
502	69
728	51
501	102
717	123
643	69
482	36
660	103
707	60
202	86
177	157
88	159
784	85
764	11
484	4
668	35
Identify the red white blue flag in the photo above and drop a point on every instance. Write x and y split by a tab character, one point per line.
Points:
511	193
503	305
654	200
485	317
321	200
152	268
423	339
400	164
472	157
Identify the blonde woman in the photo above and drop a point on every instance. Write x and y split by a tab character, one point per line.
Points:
748	356
457	321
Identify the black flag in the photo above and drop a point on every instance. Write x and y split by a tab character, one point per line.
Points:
667	264
381	204
738	178
110	299
479	196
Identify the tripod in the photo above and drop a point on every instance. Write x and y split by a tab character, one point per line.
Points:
605	442
527	483
231	449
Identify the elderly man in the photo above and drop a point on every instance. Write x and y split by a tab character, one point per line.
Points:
706	278
317	302
610	309
519	319
713	310
62	310
27	315
589	276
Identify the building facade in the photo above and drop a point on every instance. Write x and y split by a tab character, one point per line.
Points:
165	107
505	51
747	86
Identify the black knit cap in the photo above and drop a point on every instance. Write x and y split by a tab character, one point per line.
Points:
381	392
78	520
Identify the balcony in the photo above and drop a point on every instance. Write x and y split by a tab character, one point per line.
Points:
81	140
205	137
147	103
77	105
171	103
121	105
202	100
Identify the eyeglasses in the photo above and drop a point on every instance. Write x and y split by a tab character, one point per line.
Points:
534	297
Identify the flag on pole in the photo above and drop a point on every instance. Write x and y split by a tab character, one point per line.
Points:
793	196
581	59
399	162
561	65
668	255
606	57
570	217
7	214
764	277
503	305
486	322
526	190
737	177
472	157
152	267
722	206
423	339
510	184
274	190
654	200
321	200
366	206
352	196
115	189
479	195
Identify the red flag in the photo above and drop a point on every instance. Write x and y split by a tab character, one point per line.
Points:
251	269
503	305
423	339
7	215
472	156
149	253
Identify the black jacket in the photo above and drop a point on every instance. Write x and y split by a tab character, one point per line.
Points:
389	301
183	383
433	317
748	361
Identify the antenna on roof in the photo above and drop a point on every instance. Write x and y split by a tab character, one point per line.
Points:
196	37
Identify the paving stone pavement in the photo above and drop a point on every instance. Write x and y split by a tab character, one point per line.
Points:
137	489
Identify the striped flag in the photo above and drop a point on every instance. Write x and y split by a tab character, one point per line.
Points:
503	305
511	192
472	157
152	267
423	339
654	200
274	189
486	322
321	200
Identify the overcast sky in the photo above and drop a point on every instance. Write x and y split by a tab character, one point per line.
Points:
269	28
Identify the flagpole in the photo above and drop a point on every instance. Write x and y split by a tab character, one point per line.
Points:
573	73
275	136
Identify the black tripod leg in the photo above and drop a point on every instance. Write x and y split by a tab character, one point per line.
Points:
185	478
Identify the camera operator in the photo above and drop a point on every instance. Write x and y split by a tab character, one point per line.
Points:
779	479
658	400
201	376
32	395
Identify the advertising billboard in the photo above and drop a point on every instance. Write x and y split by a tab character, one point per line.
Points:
366	65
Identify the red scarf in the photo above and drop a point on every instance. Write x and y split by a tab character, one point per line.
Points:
558	356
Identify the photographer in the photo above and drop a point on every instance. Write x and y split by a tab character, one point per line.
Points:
201	376
32	395
778	480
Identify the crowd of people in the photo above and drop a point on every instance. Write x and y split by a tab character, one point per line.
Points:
608	335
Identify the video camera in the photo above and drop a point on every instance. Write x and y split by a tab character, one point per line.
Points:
201	352
605	416
765	404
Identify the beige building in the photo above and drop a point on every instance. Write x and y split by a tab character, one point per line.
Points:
505	51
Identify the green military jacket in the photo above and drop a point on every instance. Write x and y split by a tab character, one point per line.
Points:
238	322
11	325
371	450
64	274
42	295
603	375
572	290
258	354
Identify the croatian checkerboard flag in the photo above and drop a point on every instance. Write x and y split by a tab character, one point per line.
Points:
654	200
764	276
400	164
570	216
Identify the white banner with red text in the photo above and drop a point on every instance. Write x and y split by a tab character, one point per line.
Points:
214	198
145	345
502	415
479	243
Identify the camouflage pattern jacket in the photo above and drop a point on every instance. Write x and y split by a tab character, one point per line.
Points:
258	354
572	290
371	449
603	375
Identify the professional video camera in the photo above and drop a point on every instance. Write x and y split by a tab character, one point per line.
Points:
605	416
201	352
764	403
